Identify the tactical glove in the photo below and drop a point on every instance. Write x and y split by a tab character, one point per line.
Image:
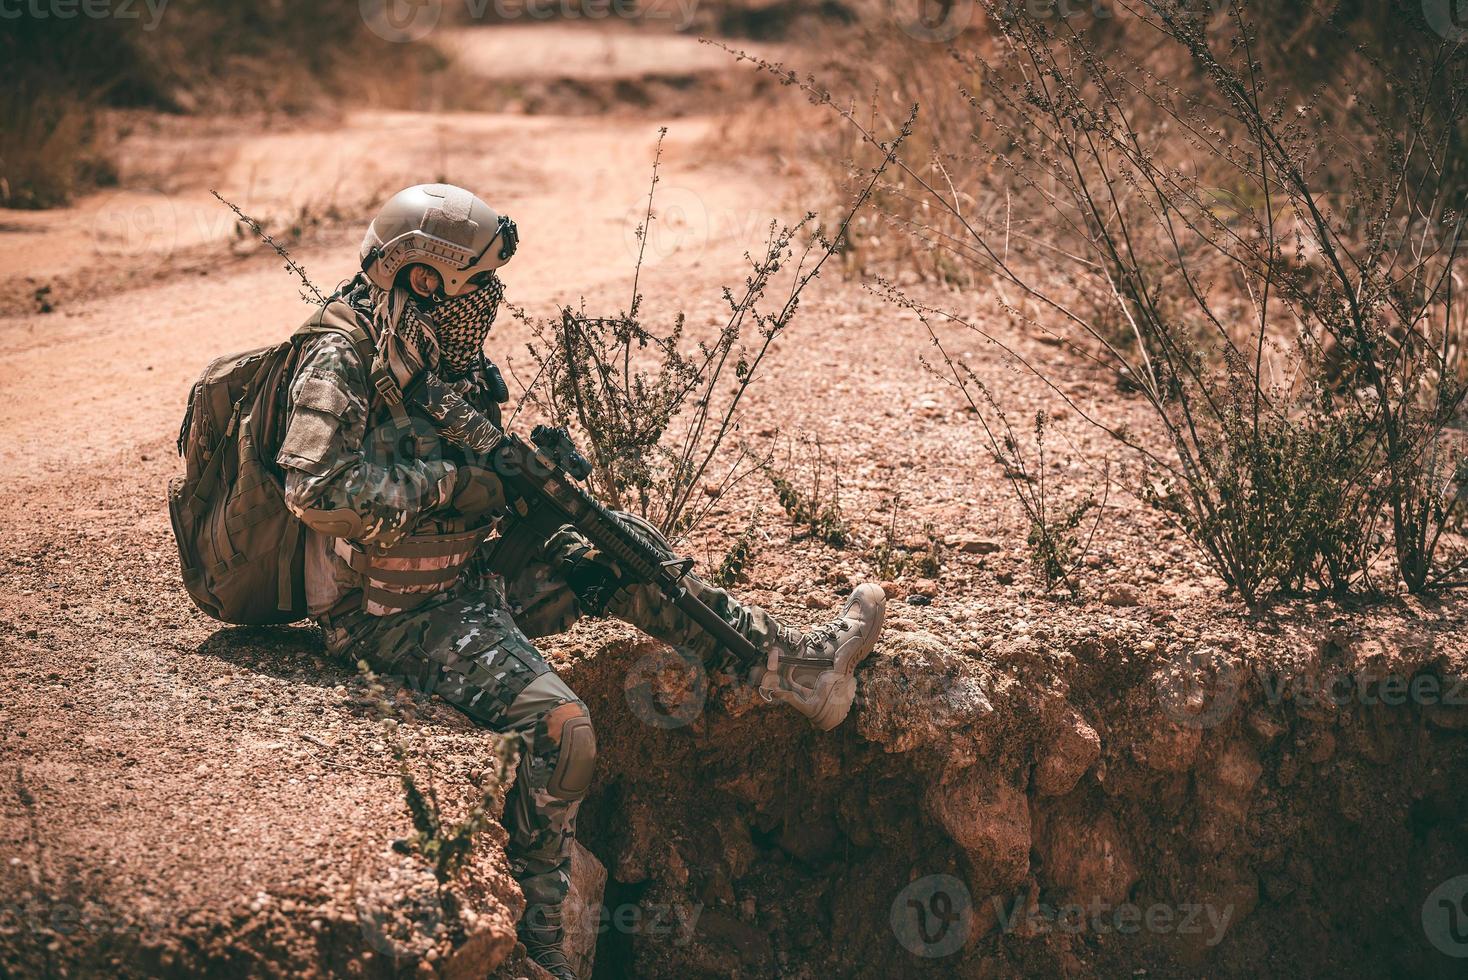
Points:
477	493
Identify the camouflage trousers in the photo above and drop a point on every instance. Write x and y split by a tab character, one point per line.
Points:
472	647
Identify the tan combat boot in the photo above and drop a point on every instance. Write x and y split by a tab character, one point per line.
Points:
815	672
542	933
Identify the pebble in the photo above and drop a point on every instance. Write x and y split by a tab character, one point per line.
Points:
924	587
971	544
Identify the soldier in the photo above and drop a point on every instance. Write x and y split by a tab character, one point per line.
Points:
401	563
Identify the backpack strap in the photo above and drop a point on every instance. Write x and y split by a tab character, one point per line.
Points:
385	388
362	340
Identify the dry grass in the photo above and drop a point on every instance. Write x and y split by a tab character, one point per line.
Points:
199	56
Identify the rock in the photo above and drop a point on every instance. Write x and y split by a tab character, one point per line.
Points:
736	845
1086	859
971	544
918	692
1238	769
891	590
1072	751
1287	771
989	819
1450	716
1168	747
639	843
816	601
1120	594
484	949
1265	725
1321	748
925	587
919	600
727	946
1225	793
809	837
583	909
1226	898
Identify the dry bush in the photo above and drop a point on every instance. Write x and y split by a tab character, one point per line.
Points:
809	492
50	146
898	553
738	560
657	415
1273	269
443	845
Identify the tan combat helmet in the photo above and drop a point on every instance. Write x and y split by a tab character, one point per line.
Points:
441	226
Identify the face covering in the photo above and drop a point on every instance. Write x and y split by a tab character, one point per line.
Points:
461	324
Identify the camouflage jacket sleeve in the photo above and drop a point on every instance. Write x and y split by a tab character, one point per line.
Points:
332	483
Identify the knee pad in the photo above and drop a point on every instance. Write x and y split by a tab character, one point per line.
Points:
577	758
548	701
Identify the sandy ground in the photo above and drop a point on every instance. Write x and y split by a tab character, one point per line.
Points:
188	770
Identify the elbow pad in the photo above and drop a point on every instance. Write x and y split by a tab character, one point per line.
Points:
336	523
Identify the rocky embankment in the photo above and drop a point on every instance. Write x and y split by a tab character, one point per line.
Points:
1081	792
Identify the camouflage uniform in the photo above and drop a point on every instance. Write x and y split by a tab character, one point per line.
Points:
472	644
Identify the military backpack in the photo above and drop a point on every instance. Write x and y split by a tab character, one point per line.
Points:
241	550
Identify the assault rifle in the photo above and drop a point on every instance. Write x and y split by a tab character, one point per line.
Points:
541	494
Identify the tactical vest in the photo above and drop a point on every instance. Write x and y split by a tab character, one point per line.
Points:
424	563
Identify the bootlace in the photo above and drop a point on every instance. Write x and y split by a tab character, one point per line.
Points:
824	634
550	957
